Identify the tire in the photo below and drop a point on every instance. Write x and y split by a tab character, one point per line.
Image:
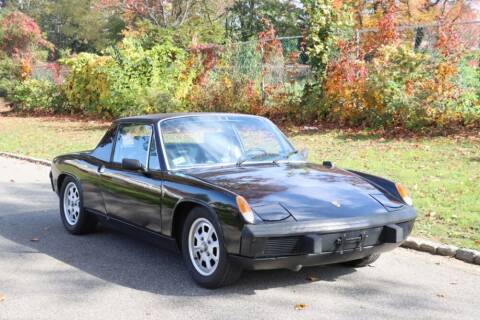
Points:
364	261
204	253
75	219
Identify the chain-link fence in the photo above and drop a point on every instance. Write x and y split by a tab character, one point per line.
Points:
50	71
268	65
244	60
289	66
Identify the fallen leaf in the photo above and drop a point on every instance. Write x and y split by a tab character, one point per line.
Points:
313	278
440	295
34	239
2	297
11	180
453	283
431	214
300	306
477	242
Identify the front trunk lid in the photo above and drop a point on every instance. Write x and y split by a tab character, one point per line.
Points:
306	191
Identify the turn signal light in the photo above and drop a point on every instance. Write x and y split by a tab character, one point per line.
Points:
402	191
245	209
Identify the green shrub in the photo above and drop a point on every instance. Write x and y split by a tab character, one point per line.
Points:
8	75
129	80
36	95
399	87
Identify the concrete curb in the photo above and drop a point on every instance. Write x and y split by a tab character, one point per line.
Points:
464	254
29	159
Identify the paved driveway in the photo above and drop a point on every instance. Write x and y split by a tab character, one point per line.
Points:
46	273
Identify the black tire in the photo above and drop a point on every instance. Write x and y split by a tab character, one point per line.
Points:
85	223
364	261
226	272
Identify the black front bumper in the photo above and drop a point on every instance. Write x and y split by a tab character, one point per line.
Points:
291	245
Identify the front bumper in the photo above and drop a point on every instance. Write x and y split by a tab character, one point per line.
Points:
292	245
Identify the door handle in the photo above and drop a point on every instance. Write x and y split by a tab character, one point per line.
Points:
101	169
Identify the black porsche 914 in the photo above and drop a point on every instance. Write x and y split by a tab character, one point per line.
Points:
229	192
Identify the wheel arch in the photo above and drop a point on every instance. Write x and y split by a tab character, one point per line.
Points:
61	177
180	213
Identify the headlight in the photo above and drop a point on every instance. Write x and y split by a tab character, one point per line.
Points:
245	209
402	191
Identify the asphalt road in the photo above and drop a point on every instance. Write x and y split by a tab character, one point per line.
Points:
45	273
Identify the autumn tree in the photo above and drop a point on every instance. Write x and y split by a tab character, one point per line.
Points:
179	18
76	25
20	36
244	18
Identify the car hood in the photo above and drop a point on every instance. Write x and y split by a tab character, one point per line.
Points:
302	190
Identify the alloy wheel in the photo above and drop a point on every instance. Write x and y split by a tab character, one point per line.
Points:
203	246
71	203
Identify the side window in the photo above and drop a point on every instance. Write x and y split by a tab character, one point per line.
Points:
153	162
133	142
103	151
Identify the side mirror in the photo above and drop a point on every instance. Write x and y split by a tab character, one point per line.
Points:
304	153
132	165
328	164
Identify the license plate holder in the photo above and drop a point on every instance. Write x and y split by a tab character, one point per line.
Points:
351	240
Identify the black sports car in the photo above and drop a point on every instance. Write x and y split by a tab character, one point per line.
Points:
231	193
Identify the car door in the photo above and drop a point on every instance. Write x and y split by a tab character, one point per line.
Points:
92	183
134	196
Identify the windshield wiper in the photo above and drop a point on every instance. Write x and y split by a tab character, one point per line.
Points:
291	153
242	159
285	157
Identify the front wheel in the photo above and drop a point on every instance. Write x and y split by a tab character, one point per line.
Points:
204	253
72	213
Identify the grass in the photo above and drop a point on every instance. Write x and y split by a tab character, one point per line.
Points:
46	137
442	173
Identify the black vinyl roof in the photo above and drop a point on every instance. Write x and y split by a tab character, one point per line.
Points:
161	116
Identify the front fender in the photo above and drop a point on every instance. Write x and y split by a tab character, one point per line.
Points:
179	190
385	185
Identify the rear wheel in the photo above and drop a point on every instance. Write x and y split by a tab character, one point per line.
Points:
364	261
73	215
204	253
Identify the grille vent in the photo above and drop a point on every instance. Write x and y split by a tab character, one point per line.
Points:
283	246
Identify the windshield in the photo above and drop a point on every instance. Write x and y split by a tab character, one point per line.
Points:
195	141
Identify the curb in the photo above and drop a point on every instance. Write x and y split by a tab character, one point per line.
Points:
29	159
464	254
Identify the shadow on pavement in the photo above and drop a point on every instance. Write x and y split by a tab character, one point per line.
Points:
118	258
94	262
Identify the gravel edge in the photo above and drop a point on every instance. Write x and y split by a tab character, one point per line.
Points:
432	247
441	249
29	159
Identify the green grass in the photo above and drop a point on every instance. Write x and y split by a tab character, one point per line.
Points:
46	137
442	173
